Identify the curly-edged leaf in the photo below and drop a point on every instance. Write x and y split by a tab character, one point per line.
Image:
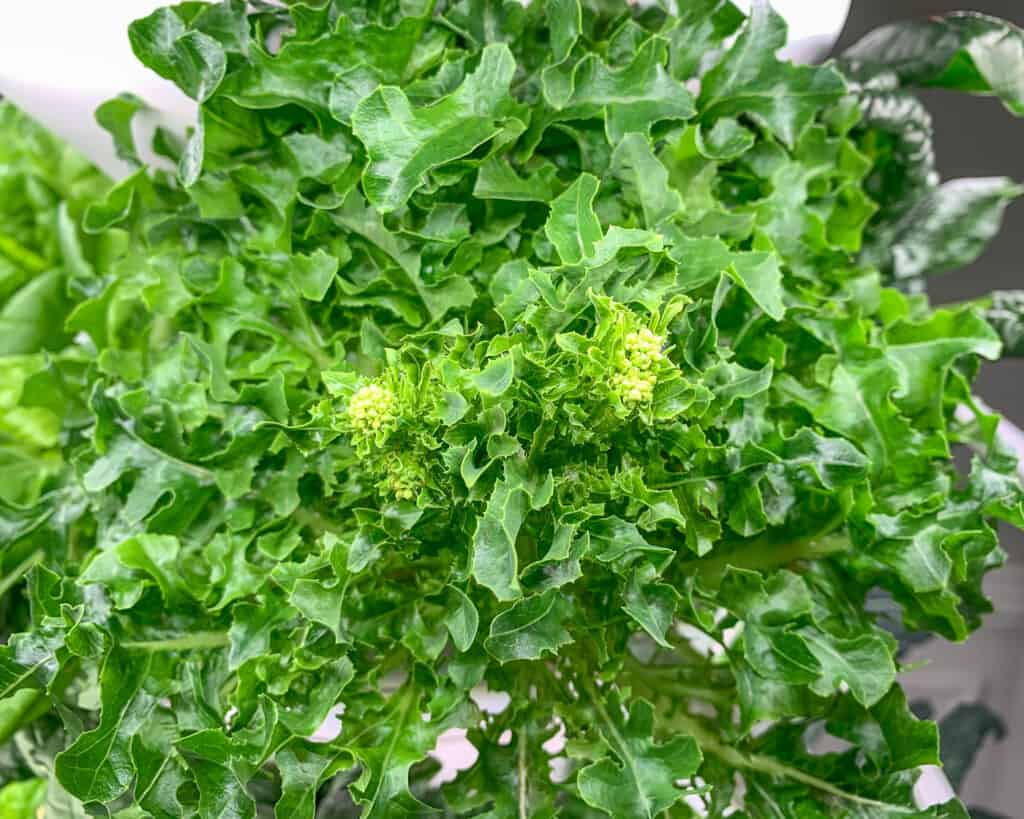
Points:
494	379
494	559
462	621
531	628
639	779
725	140
632	98
116	117
209	755
749	80
404	143
699	28
391	748
874	424
646	179
302	767
194	61
572	226
97	766
497	179
652	605
925	351
758	273
863	663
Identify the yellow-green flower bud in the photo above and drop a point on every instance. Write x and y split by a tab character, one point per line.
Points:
634	386
403	480
371	409
644	348
635	380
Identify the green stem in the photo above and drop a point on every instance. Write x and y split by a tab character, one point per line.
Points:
306	516
28	704
711	744
523	783
761	556
20	709
7	582
315	344
693	692
200	472
201	639
620	747
27	259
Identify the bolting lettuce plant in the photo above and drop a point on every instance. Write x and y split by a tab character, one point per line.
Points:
575	351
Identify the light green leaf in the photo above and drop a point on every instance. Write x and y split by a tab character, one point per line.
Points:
462	621
758	273
494	559
636	166
572	226
404	143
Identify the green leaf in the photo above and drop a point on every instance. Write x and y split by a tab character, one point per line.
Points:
725	140
653	606
314	274
33	318
116	116
759	274
494	559
389	751
97	766
572	226
465	350
565	19
925	351
640	779
494	379
632	98
193	60
209	754
531	628
863	663
462	621
636	166
404	144
497	179
20	800
748	80
302	769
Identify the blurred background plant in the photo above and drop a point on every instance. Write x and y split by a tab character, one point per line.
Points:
975	690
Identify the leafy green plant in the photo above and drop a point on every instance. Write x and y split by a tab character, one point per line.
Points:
547	350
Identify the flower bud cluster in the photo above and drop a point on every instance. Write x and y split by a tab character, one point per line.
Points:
636	377
372	414
403	480
372	409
